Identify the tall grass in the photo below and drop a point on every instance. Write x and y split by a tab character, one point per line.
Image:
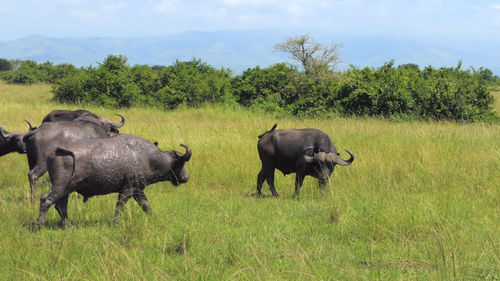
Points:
420	202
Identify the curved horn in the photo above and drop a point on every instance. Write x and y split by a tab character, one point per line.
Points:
307	158
342	162
188	153
29	124
121	123
2	131
318	157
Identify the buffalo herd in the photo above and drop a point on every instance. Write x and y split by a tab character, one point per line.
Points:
86	154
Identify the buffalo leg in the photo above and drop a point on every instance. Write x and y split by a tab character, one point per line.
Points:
270	182
33	176
266	173
260	180
299	180
140	197
32	180
123	198
62	208
54	195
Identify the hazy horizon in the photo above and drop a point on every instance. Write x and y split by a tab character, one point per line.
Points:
448	30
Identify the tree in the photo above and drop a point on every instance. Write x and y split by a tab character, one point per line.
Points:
5	65
313	56
409	66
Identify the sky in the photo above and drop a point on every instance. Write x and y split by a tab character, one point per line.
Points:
460	20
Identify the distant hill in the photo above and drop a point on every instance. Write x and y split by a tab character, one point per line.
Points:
239	50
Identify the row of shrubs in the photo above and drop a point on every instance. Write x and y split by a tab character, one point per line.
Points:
28	72
392	92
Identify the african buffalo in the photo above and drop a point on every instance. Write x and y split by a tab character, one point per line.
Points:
124	164
300	151
108	124
43	141
80	115
10	142
67	115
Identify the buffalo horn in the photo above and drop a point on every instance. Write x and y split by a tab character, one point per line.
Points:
318	157
121	123
2	131
332	157
29	124
188	153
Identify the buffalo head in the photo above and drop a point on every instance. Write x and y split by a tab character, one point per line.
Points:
10	142
109	125
178	174
327	161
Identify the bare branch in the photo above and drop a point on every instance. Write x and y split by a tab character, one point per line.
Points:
312	55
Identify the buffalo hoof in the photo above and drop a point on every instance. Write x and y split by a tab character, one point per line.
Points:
35	226
65	223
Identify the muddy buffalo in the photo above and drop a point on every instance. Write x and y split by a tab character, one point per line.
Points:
43	141
122	164
305	152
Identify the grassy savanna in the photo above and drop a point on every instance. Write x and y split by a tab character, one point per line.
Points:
420	202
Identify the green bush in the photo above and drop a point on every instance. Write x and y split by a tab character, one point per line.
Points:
262	85
402	92
110	84
407	91
5	65
192	83
446	93
115	84
28	72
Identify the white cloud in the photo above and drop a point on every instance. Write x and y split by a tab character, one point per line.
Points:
295	9
393	17
246	2
70	2
85	14
105	11
167	6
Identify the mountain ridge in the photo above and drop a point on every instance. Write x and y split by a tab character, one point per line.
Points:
240	50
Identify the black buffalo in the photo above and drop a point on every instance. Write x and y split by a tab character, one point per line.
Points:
67	115
10	142
43	141
300	151
122	164
83	116
105	123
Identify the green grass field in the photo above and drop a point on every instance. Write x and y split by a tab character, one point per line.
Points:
420	202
